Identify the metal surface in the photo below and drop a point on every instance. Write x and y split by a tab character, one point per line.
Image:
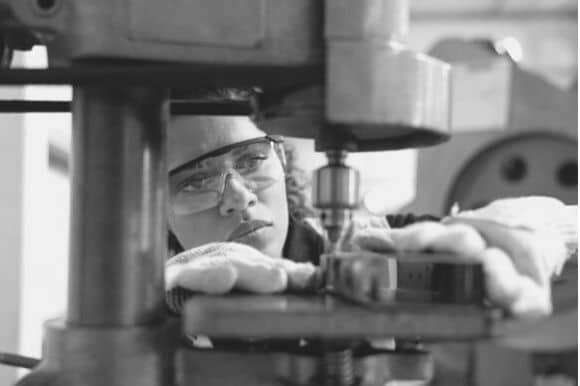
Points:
199	31
336	184
327	317
165	75
175	107
555	333
115	331
387	93
96	356
18	360
338	368
518	165
376	89
296	368
300	113
335	192
525	104
118	222
377	94
381	95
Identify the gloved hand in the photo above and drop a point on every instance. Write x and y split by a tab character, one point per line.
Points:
219	267
521	244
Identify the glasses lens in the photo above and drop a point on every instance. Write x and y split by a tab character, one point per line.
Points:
260	166
184	204
255	165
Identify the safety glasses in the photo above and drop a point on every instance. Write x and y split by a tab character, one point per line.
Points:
199	184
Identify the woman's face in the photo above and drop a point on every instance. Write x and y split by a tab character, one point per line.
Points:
235	195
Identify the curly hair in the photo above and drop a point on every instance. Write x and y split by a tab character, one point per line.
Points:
297	182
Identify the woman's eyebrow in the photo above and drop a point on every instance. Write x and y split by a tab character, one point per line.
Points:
238	150
181	176
189	167
199	164
205	161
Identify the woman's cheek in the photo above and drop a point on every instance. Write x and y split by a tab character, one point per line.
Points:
275	202
200	228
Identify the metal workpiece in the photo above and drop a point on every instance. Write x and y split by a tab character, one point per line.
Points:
378	280
215	32
118	222
95	356
360	277
300	367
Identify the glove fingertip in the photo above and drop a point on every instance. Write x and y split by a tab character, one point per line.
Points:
271	280
220	280
279	279
531	307
301	276
262	279
373	240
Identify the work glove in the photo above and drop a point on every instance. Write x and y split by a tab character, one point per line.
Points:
220	267
521	243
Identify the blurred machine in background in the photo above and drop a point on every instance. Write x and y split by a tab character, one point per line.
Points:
514	134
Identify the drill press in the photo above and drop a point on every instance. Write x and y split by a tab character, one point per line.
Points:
353	86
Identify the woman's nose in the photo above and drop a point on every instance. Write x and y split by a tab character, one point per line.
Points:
236	197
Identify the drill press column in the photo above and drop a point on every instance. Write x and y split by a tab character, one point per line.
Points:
118	200
115	332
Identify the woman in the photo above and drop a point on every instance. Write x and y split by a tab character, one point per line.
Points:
231	225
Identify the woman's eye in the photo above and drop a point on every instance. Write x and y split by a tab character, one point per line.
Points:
193	184
250	163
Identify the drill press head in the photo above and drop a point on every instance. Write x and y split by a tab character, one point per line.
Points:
376	95
335	194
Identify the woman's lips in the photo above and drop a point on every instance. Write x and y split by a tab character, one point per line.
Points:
248	227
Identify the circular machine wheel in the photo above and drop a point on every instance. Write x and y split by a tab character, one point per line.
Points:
525	164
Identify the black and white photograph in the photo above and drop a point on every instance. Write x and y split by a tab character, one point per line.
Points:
289	193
